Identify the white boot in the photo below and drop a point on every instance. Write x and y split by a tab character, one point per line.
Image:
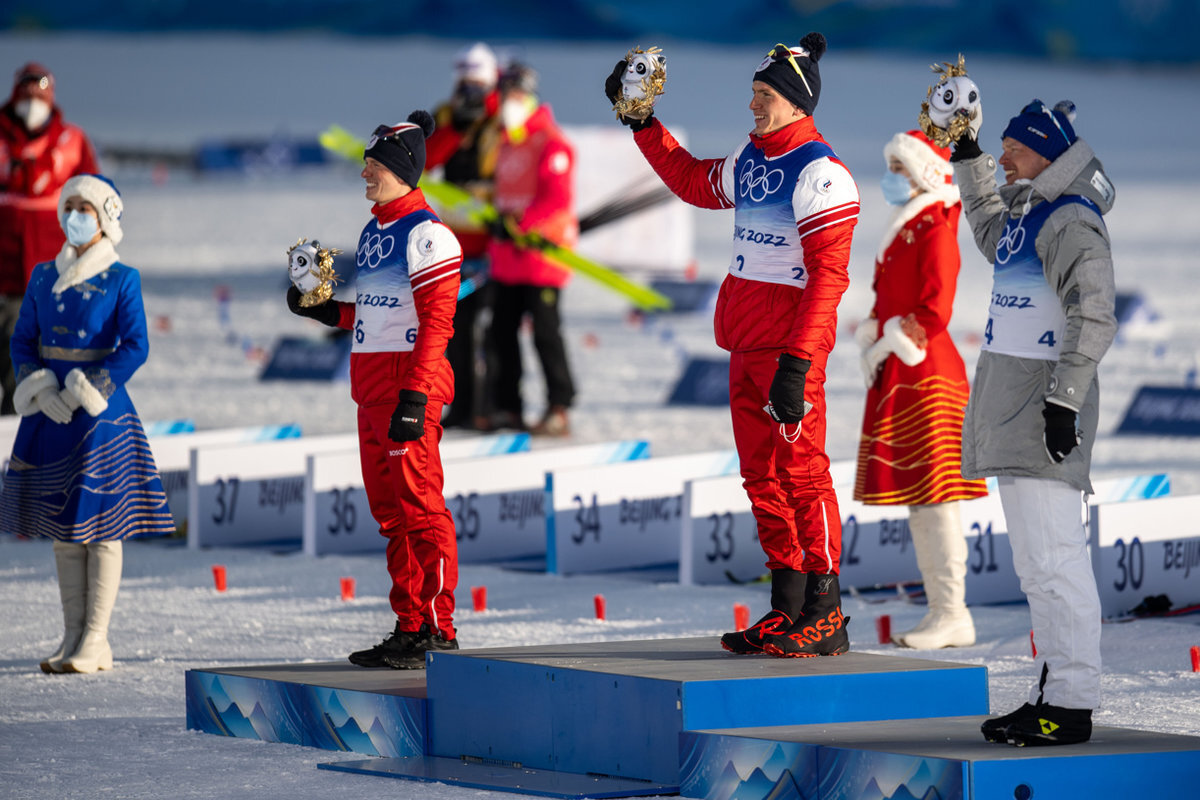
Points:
942	558
104	578
70	560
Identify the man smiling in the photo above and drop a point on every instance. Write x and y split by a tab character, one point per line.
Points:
795	206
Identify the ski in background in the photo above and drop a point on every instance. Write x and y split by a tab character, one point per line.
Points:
338	140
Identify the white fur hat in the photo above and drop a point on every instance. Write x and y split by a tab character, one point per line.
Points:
928	164
477	63
104	197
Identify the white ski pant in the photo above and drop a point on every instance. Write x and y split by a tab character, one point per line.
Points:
1048	532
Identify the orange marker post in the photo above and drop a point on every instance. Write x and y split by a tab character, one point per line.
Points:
883	626
347	589
741	616
479	598
219	577
599	602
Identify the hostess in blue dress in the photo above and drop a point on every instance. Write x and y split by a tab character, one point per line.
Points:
82	325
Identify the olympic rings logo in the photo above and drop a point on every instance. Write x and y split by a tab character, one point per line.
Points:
373	249
756	182
1012	241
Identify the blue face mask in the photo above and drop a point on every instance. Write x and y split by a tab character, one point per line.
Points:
80	227
896	188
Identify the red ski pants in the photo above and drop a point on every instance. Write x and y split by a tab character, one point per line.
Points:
404	489
784	468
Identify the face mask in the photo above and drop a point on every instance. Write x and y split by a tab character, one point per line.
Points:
467	103
514	111
896	188
33	111
80	228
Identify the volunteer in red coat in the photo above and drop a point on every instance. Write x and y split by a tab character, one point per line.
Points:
795	206
910	453
406	283
39	152
535	168
464	145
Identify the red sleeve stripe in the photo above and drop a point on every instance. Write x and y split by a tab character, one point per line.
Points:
714	180
823	219
435	273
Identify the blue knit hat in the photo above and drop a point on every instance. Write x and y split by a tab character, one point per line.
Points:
1046	131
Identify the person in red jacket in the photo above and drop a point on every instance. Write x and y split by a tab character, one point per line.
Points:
464	145
795	206
910	452
406	283
39	152
535	166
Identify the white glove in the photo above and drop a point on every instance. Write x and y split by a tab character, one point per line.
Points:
872	359
954	98
70	398
53	406
866	333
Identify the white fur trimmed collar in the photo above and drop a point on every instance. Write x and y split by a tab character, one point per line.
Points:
74	269
902	214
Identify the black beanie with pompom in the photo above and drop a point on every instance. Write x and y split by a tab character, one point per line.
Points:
401	148
793	72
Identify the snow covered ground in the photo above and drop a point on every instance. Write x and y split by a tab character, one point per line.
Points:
121	734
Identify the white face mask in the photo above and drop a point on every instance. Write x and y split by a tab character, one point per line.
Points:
34	111
515	111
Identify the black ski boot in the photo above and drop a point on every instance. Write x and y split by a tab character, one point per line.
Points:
397	644
821	627
1050	725
993	729
414	658
787	598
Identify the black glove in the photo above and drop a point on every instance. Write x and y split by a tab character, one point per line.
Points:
612	90
408	420
1061	436
499	231
965	148
326	313
786	398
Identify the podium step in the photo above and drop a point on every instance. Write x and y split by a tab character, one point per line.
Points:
617	708
333	706
946	758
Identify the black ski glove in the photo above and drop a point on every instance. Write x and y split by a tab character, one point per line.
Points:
965	148
1061	436
786	397
612	90
408	420
326	313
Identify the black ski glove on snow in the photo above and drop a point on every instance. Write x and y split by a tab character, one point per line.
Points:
408	420
1061	436
326	313
612	90
786	397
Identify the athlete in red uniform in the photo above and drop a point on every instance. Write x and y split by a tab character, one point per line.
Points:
406	284
795	208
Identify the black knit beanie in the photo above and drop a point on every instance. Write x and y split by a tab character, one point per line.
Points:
793	72
401	148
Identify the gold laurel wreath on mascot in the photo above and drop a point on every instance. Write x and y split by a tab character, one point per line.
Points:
310	268
959	122
642	83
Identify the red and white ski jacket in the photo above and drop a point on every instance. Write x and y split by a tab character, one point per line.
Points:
403	315
795	207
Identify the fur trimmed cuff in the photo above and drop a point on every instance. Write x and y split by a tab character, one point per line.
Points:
867	333
905	348
90	398
25	396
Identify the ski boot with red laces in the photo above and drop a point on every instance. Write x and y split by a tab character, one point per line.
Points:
787	598
821	627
